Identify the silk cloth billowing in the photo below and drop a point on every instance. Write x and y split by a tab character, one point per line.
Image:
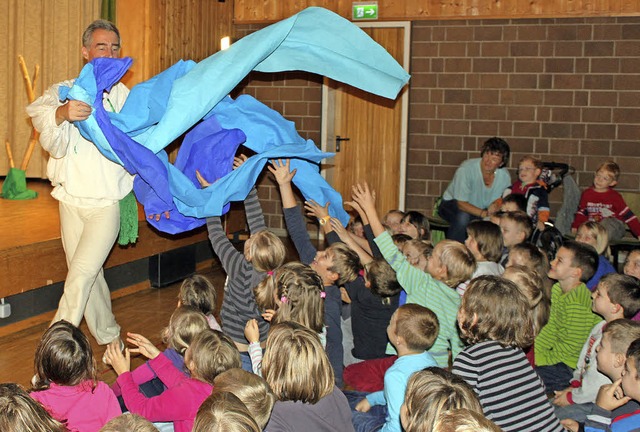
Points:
191	99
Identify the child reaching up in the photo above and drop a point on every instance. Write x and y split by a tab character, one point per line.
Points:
66	383
336	265
198	292
494	319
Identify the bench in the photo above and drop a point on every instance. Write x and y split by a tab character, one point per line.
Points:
628	242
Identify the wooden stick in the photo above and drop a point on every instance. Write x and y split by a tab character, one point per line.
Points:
7	146
30	86
27	155
27	79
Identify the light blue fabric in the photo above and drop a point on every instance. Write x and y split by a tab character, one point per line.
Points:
468	185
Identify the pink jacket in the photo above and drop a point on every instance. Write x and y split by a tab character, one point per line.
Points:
179	403
82	408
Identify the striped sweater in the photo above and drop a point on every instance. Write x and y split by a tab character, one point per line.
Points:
569	325
239	304
510	392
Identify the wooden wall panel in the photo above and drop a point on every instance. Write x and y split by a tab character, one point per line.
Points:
261	11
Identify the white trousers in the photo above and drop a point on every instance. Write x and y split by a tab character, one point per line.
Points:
88	234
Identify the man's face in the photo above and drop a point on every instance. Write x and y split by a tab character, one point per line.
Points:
104	43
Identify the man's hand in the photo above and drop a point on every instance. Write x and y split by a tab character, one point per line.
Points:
72	111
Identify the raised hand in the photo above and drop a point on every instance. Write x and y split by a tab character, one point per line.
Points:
316	210
203	182
120	362
143	345
281	172
239	160
74	110
251	331
364	197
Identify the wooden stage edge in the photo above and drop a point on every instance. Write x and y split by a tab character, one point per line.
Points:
31	253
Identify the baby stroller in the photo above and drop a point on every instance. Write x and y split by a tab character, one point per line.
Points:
555	174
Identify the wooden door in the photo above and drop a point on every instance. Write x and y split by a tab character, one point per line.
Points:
375	127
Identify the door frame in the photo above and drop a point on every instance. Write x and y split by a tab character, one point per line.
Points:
328	101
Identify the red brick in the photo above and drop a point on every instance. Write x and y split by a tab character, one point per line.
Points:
457	65
417	157
529	65
494	49
453	158
629	65
558	98
626	115
594	148
556	130
564	147
471	112
543	114
291	94
532	32
569	49
428	80
578	130
493	112
455	127
457	96
484	128
627	49
598	82
521	113
421	33
452	49
526	129
607	32
567	82
581	98
561	33
486	65
450	111
529	97
524	49
487	33
459	33
267	93
629	132
627	148
596	115
295	109
547	49
437	65
494	81
565	114
416	187
423	49
485	97
604	98
601	131
434	157
605	65
541	147
528	81
598	49
449	143
473	49
628	99
558	65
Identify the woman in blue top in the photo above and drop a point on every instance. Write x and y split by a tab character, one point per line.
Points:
475	187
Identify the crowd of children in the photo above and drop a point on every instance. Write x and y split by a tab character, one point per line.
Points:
379	331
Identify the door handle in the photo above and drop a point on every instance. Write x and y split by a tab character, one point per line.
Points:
339	139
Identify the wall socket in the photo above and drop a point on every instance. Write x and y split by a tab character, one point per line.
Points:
5	310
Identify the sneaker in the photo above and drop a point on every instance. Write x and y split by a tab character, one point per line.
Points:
104	358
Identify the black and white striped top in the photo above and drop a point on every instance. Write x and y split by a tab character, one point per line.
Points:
510	391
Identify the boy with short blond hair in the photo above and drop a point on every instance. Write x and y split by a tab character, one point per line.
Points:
559	343
533	189
602	204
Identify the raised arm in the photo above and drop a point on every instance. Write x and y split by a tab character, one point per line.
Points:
367	201
339	229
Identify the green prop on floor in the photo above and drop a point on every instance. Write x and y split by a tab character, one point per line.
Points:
128	220
15	186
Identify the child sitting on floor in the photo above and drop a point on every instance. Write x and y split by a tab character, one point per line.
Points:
198	292
516	228
594	234
632	264
484	240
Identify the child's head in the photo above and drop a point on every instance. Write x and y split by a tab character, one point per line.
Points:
530	284
617	296
451	262
399	240
381	279
63	357
129	422
337	264
307	379
631	372
431	392
513	203
224	412
574	262
464	420
606	176
264	250
593	234
632	264
528	255
529	169
516	228
299	295
392	220
210	354
484	240
251	389
20	412
616	338
493	308
417	253
356	227
184	325
413	326
415	225
198	292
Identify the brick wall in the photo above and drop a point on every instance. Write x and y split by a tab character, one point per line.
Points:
566	90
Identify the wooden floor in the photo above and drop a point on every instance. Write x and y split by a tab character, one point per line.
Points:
145	312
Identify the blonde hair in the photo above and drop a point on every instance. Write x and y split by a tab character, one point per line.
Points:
464	420
184	325
621	333
224	412
488	237
457	259
301	294
20	412
210	354
600	234
522	221
611	167
346	263
417	325
530	284
266	250
493	308
432	391
129	422
537	163
198	292
424	247
251	389
295	365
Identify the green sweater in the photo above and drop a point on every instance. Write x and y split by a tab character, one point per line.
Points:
570	322
426	291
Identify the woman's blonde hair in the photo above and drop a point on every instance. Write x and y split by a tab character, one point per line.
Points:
198	292
184	325
432	391
301	294
457	259
20	412
267	251
211	353
224	412
295	365
64	357
493	308
464	420
600	234
251	389
530	284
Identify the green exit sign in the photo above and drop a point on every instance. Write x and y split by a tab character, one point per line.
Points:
365	11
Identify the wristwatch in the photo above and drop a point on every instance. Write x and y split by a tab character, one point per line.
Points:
324	220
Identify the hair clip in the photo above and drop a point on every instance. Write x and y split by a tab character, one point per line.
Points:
270	272
283	299
323	294
361	272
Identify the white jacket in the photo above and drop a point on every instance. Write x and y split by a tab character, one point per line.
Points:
81	176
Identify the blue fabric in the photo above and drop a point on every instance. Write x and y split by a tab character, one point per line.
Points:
163	108
604	268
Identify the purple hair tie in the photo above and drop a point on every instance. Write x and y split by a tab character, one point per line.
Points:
270	272
361	272
283	299
323	294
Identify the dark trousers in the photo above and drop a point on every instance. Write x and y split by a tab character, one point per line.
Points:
555	377
458	220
